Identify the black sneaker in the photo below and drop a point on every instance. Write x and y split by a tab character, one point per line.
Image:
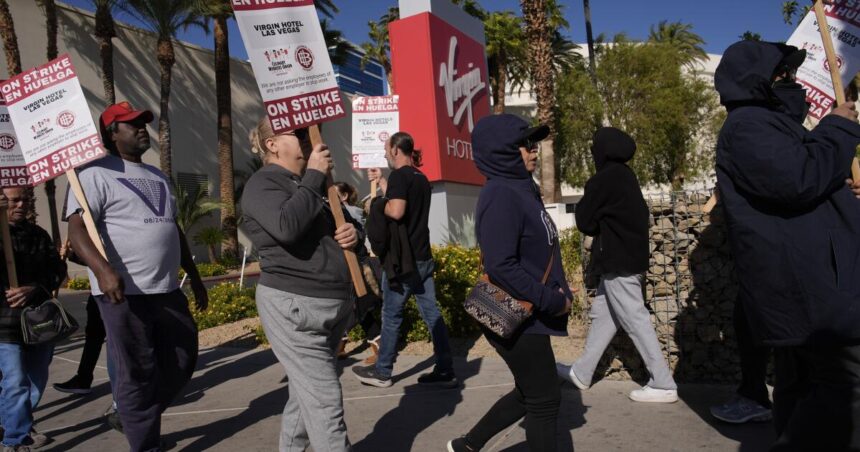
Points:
76	385
112	419
442	379
370	376
460	445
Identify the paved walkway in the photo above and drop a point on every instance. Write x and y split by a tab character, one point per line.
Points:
236	396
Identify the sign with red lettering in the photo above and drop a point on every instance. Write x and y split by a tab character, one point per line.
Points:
51	119
441	76
290	58
13	168
843	19
374	120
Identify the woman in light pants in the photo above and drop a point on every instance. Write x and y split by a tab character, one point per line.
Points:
304	295
614	212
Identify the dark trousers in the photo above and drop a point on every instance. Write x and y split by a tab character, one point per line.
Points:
152	340
536	395
753	360
95	337
365	315
816	398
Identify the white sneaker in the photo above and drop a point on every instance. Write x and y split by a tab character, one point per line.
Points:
651	395
566	374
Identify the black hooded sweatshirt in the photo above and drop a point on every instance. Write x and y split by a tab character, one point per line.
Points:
794	226
613	210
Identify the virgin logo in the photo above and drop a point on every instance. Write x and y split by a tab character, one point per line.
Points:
464	88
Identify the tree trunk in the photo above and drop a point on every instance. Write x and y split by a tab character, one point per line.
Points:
501	84
589	37
50	186
105	32
539	35
166	58
225	138
10	40
213	257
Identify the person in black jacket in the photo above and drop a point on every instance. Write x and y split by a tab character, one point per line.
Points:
519	242
614	212
24	367
794	232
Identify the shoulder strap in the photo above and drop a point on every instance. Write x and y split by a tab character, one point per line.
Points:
548	265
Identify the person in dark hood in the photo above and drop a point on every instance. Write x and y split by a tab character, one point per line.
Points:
519	242
794	231
614	212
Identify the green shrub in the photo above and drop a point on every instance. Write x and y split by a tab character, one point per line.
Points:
79	284
227	303
570	242
230	260
206	270
457	270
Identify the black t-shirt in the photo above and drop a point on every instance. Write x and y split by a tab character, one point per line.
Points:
411	185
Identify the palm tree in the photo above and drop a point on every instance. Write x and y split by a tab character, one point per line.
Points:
10	40
165	18
680	36
338	47
50	9
505	54
191	207
539	37
750	36
790	9
105	32
589	38
326	7
379	46
219	11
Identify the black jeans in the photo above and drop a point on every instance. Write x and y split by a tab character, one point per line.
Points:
816	398
152	340
94	338
753	360
537	394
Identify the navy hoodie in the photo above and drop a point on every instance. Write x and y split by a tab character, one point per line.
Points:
794	226
514	231
613	209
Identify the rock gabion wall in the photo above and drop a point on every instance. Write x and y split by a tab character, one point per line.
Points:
690	290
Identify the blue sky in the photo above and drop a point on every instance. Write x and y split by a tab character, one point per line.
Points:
718	22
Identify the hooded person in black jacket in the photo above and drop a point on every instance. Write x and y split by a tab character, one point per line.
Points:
614	212
794	231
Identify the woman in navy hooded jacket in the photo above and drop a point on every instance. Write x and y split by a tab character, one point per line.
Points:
517	238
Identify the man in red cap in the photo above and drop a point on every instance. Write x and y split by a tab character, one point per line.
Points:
152	338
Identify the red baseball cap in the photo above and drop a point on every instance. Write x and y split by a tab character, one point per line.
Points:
123	112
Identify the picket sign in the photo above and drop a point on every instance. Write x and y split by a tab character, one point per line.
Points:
810	73
54	134
296	79
834	66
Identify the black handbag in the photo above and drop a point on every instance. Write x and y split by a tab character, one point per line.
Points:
495	309
46	323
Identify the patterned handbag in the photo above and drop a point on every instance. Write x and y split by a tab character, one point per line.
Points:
495	309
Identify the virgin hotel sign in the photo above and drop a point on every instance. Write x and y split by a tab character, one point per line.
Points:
440	74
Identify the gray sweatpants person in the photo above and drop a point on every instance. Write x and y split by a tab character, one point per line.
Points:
619	303
304	333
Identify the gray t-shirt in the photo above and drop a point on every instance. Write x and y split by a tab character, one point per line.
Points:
135	213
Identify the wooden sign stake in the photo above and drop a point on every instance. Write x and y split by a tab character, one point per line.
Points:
337	211
830	51
87	216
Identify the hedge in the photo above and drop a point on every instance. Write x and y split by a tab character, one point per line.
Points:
79	284
227	303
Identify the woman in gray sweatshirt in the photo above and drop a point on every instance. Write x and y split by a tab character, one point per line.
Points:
304	295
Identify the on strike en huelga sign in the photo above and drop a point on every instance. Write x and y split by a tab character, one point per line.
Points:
290	59
52	120
814	74
13	168
374	120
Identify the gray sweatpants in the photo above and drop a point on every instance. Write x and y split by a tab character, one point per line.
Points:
304	333
619	303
